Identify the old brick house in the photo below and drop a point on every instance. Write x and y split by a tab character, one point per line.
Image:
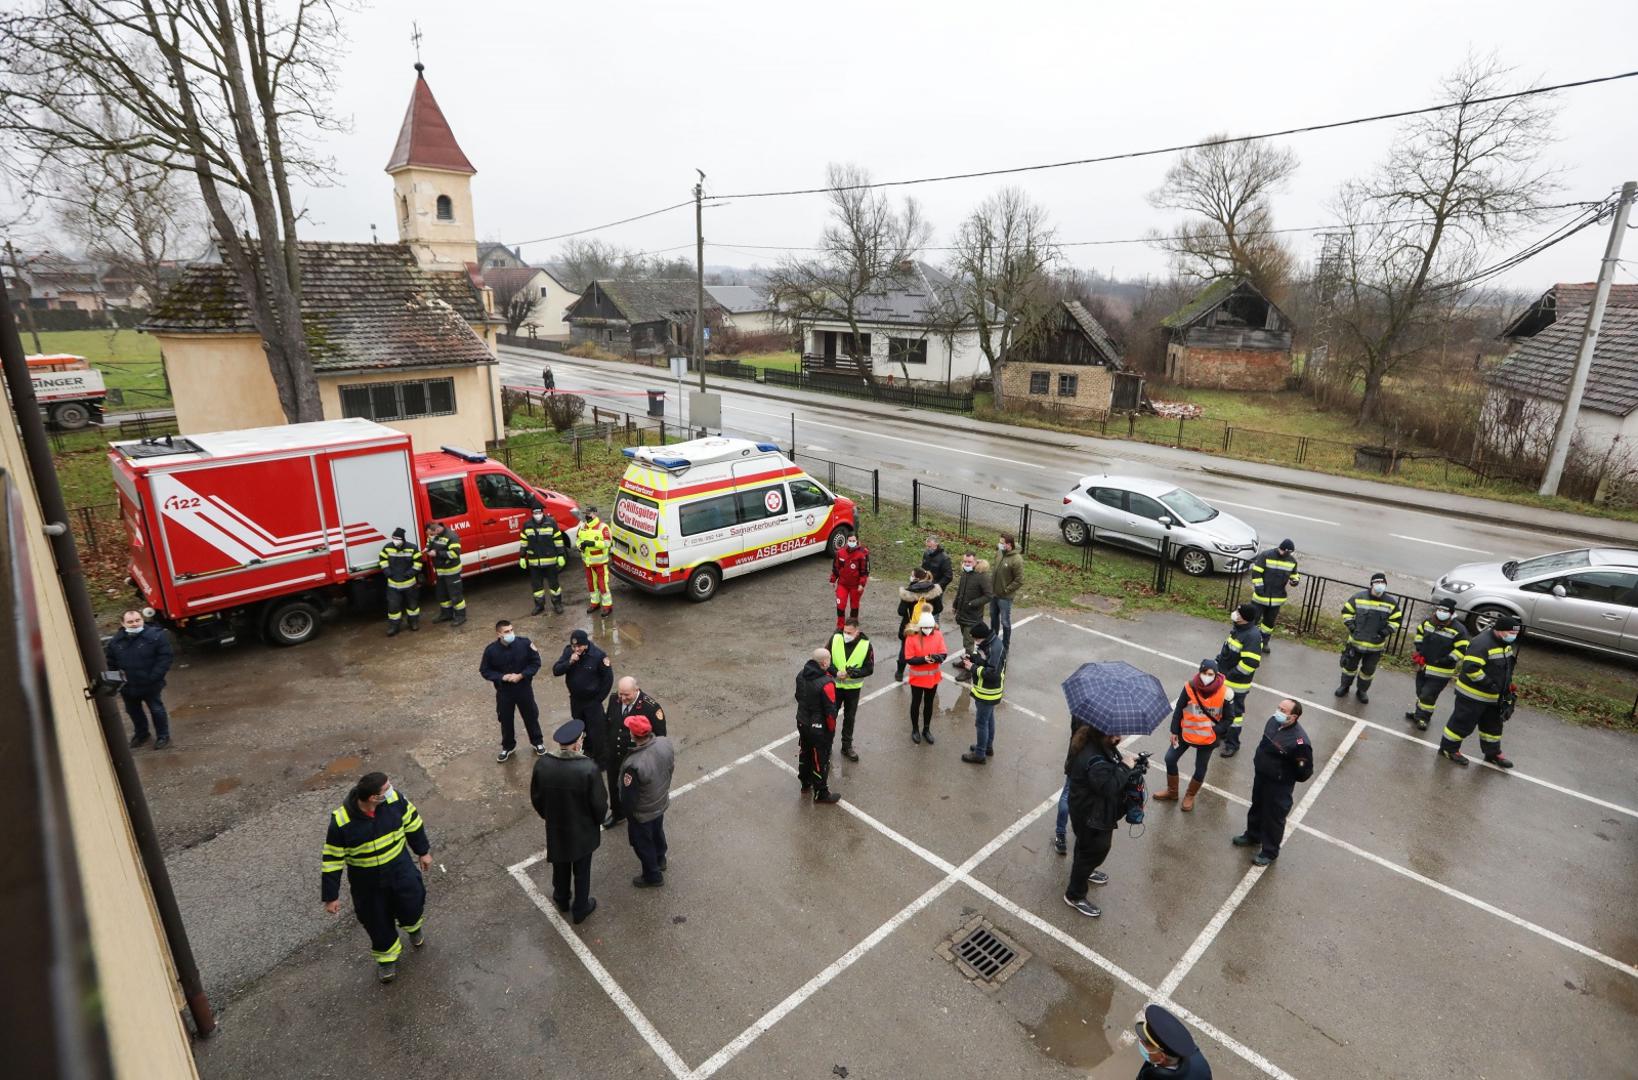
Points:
1068	365
1229	337
636	316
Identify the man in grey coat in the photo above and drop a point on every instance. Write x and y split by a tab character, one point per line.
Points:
567	792
645	793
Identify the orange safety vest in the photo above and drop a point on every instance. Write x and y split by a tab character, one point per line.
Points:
923	673
1200	716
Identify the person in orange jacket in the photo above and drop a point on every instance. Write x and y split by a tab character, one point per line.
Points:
850	572
924	655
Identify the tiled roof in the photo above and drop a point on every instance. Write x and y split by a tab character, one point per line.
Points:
1094	332
641	300
740	299
1203	301
1541	365
364	306
425	138
507	280
1563	296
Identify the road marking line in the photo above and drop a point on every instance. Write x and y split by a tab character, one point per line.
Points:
1254	874
952	877
650	1034
1276	513
1407	736
1437	543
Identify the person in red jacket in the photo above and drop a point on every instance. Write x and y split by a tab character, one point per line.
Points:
924	652
850	572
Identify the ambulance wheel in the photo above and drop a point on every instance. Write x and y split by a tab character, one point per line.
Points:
1195	563
837	540
703	583
291	623
71	416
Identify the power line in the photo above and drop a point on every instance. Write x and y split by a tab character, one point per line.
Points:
606	225
1129	155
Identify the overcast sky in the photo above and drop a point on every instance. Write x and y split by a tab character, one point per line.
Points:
580	113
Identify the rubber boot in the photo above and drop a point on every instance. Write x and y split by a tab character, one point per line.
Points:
1363	692
392	629
460	618
540	606
443	615
1170	794
557	605
1188	796
1347	684
415	624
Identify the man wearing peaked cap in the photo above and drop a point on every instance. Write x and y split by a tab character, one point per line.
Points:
567	792
1169	1052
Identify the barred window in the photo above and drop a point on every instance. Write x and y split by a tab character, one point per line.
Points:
399	400
446	208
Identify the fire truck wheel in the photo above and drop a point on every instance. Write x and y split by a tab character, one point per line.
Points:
291	622
71	416
703	583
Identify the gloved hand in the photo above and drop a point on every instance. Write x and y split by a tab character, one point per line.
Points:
1512	688
1419	660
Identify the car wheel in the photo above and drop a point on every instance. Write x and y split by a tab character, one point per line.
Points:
1075	532
703	583
837	540
1195	563
71	416
292	623
1484	617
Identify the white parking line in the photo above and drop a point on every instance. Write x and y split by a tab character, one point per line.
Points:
1254	874
1439	543
1396	733
1276	513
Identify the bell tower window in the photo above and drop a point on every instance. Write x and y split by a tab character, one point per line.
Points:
446	208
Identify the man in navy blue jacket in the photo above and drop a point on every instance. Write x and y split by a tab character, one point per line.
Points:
588	674
510	662
143	653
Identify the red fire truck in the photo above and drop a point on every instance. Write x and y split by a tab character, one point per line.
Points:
265	529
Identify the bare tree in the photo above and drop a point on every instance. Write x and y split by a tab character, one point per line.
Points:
224	90
1004	256
1226	189
515	302
1454	183
866	249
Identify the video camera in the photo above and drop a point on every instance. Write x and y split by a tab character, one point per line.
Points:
1136	793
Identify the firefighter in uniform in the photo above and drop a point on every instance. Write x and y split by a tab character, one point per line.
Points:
1273	575
401	563
852	660
543	551
1440	643
444	552
1238	660
1372	617
593	540
987	664
1484	693
372	835
815	726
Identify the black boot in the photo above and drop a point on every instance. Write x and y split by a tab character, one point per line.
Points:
1363	693
540	606
847	752
392	629
415	624
1347	684
927	734
915	734
460	618
557	605
443	615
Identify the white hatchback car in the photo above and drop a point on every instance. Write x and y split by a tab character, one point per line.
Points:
1132	512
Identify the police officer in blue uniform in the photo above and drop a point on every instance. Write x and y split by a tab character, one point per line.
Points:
511	662
1169	1051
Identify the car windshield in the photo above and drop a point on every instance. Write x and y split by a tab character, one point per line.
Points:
1188	508
1546	564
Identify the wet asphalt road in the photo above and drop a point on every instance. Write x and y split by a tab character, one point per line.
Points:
1335	536
1440	922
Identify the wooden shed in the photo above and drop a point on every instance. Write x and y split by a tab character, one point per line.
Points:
1229	337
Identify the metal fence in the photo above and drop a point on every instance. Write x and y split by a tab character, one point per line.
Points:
1319	599
859	484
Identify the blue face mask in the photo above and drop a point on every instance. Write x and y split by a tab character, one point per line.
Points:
509	637
1143	1052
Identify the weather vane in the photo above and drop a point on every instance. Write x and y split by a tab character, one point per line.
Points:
415	39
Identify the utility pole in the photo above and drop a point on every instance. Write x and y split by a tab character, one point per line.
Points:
1589	338
699	277
27	294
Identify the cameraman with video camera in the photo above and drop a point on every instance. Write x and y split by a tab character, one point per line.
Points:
1099	779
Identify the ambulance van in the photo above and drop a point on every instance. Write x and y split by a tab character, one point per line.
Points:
690	514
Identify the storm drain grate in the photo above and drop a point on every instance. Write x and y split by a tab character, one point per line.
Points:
982	953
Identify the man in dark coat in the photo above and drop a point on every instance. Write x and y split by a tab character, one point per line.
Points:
143	653
816	726
936	561
588	675
1284	759
628	700
567	792
511	663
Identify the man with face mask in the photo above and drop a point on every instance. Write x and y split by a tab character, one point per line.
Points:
1284	759
972	598
852	660
936	561
400	563
1168	1050
1005	581
1439	645
1484	693
1238	660
144	654
543	550
849	573
511	662
1371	616
371	836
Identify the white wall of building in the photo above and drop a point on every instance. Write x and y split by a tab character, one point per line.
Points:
954	360
1537	417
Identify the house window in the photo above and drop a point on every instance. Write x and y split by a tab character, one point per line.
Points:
1040	382
399	400
608	336
446	208
543	292
906	350
1068	385
1514	411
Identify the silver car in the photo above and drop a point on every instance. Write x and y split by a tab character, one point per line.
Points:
1586	597
1137	513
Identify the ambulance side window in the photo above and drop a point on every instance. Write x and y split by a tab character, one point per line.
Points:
447	497
762	502
806	495
707	515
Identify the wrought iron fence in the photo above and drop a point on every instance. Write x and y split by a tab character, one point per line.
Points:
1319	600
859	484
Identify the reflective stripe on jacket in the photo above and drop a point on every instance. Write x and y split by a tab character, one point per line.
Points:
990	670
1272	574
365	845
592	538
1371	621
1240	655
923	653
1197	725
402	563
1441	646
445	551
542	544
1486	668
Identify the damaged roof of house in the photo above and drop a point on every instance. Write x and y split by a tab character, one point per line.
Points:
1541	365
363	305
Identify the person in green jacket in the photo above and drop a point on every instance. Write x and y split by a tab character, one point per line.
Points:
1005	579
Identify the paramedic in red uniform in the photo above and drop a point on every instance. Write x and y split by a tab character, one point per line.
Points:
850	572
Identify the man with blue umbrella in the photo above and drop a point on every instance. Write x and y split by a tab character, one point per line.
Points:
1108	702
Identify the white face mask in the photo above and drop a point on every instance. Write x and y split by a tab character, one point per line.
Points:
853	545
1001	546
1378	589
509	637
133	629
386	792
1507	637
1441	614
926	630
967	568
850	638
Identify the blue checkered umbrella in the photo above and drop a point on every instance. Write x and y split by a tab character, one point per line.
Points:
1116	698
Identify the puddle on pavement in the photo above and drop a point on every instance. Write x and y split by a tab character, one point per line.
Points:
345	766
225	785
1071	1031
615	637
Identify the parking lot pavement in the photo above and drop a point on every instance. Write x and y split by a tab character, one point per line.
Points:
1421	920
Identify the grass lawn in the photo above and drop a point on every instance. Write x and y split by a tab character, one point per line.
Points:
129	362
779	361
